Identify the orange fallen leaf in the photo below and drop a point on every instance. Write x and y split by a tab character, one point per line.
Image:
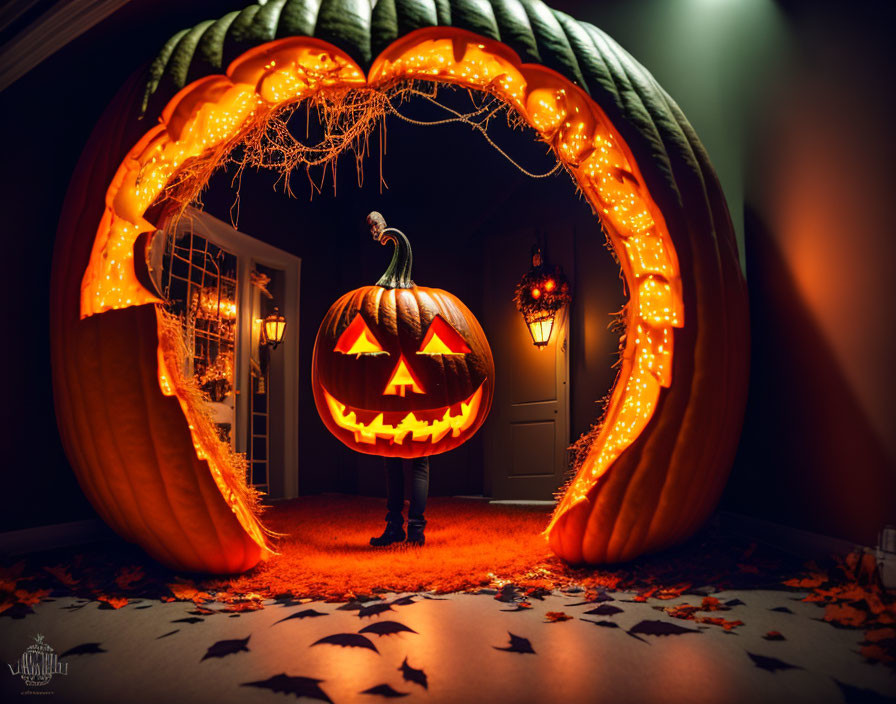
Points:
185	591
556	617
9	576
128	575
844	615
877	654
116	602
879	634
815	580
62	574
716	621
30	598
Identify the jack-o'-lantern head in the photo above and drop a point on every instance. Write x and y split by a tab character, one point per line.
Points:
401	370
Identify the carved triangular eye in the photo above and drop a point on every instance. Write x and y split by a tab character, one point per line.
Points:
441	338
357	339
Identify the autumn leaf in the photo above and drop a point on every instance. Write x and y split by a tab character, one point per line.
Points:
30	598
116	602
186	591
128	575
9	576
716	621
62	574
814	580
876	653
556	617
879	634
844	615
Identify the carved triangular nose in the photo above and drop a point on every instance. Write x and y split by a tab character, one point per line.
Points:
402	380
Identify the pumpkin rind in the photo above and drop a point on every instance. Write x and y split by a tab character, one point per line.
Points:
400	318
662	486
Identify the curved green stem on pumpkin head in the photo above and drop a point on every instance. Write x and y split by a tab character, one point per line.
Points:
398	275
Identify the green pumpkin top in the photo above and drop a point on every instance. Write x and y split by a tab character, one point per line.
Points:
398	274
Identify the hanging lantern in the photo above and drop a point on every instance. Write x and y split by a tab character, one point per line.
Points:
539	296
274	326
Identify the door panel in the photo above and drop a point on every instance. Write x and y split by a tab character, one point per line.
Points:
527	432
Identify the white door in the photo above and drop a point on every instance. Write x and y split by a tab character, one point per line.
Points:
527	433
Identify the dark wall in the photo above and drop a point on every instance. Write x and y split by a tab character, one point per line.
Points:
793	103
46	118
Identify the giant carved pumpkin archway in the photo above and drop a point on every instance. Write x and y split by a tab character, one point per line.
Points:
142	450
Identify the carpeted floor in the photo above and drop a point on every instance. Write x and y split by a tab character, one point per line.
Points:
325	547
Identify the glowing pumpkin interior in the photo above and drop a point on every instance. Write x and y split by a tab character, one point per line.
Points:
213	115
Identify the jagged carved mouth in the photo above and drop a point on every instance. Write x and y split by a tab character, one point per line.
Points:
430	425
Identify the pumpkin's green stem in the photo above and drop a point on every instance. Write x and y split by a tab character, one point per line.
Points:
398	275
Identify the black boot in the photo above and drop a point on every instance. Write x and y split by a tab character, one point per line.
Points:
415	531
394	533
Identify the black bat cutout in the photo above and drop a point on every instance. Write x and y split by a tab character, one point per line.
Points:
386	628
17	611
385	690
782	610
227	647
412	674
604	610
603	596
286	600
188	619
305	613
858	695
435	598
605	624
347	640
403	601
660	628
298	686
518	644
612	624
763	662
169	633
351	606
734	602
373	610
773	636
234	616
84	649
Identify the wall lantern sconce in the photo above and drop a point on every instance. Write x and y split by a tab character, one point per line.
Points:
274	327
539	296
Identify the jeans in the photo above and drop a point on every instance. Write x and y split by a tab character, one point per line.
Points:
395	488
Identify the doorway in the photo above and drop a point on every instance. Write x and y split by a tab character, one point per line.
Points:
528	432
222	284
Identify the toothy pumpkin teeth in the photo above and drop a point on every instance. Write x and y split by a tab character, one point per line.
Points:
457	418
